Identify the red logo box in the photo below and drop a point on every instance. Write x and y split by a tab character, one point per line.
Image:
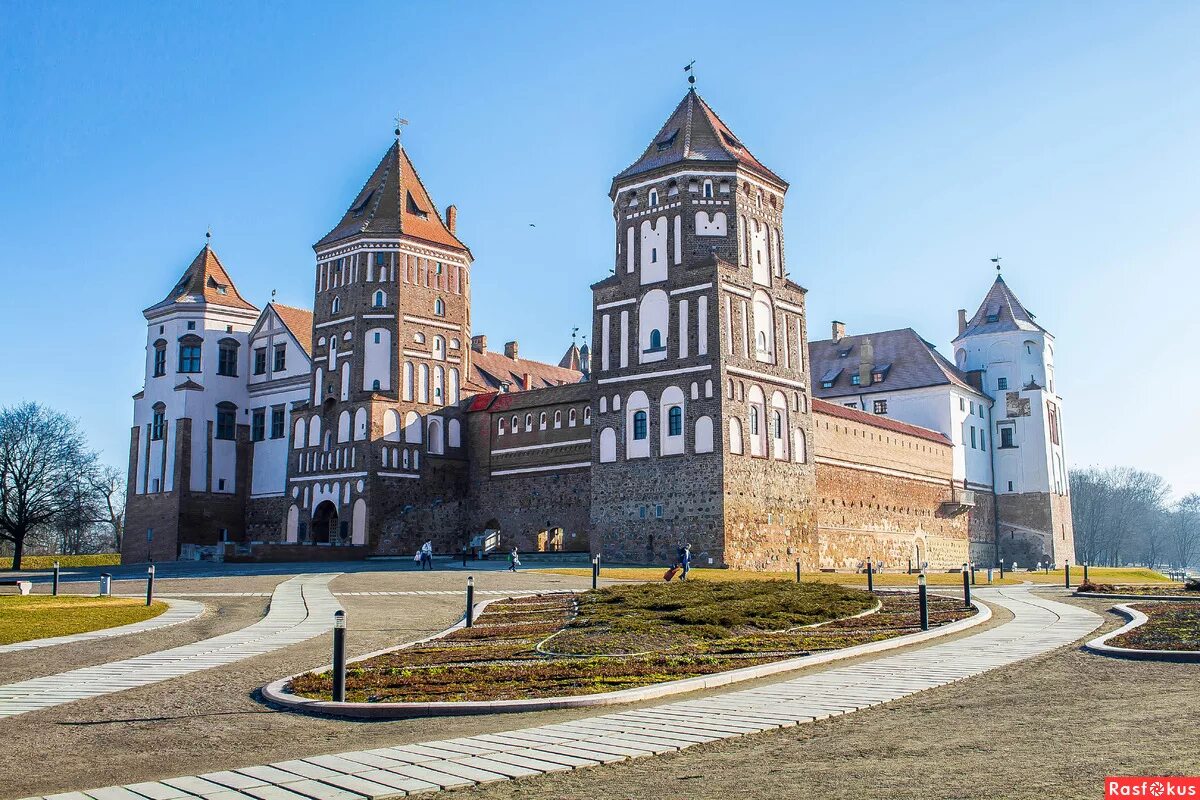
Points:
1162	786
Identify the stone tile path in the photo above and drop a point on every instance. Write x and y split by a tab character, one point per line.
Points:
179	611
1039	625
301	608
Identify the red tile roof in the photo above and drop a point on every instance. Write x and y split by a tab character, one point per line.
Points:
854	415
206	281
394	201
489	370
299	321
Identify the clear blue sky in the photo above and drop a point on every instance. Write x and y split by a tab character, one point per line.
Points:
919	140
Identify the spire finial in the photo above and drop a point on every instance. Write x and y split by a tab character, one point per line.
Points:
208	236
996	261
400	123
272	295
691	73
574	333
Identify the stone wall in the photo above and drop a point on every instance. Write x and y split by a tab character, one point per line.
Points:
1035	527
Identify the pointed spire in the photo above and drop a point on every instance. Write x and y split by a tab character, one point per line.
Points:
393	201
1000	311
694	132
206	281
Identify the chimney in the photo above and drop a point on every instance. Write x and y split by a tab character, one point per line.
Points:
479	343
962	321
839	331
866	362
510	350
527	381
451	217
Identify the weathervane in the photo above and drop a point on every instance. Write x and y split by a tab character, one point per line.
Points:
400	123
691	72
996	261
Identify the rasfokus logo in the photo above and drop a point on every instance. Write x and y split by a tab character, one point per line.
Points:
1160	786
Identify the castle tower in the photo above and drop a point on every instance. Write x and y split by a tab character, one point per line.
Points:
1014	357
378	457
702	406
189	451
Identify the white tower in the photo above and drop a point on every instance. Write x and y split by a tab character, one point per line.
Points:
1014	358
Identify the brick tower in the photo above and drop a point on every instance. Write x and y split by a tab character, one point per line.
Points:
378	457
703	418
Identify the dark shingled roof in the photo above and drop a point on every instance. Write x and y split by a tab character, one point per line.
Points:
910	361
1000	311
206	281
694	132
393	201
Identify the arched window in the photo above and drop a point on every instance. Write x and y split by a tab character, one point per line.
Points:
777	424
558	419
423	384
529	422
571	418
656	339
436	443
708	188
704	435
653	201
639	426
439	348
380	299
454	433
500	427
753	420
412	428
439	307
337	305
408	380
587	415
344	427
675	421
735	435
439	385
516	424
375	385
542	421
391	425
314	431
608	446
298	434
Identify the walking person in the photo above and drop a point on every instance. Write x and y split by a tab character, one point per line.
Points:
514	560
427	555
685	560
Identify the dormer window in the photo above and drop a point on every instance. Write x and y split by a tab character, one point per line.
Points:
415	209
665	144
729	140
653	198
360	208
844	353
708	188
855	379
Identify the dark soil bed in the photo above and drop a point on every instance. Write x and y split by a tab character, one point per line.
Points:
1171	626
1167	590
628	636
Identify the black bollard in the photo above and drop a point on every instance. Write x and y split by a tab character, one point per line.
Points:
597	565
870	576
470	601
972	573
1001	569
55	578
966	586
1085	566
923	599
797	570
150	585
595	570
1067	573
339	656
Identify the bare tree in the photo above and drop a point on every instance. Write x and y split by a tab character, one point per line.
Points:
43	458
108	485
1185	532
1119	515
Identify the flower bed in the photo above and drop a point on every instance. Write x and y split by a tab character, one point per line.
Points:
1174	626
628	636
1169	590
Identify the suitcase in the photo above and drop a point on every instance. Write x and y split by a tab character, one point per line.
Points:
670	574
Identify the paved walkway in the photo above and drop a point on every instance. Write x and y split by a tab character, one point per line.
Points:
301	608
178	611
1039	625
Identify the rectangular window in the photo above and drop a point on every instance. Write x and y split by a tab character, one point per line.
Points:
642	512
380	259
258	425
1002	383
983	439
973	437
156	427
881	406
972	407
149	534
1006	437
226	423
658	511
260	360
221	488
280	357
189	358
276	423
227	361
962	404
191	326
160	361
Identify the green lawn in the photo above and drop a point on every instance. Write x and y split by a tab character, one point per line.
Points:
43	616
47	562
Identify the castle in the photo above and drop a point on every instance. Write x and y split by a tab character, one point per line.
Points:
376	421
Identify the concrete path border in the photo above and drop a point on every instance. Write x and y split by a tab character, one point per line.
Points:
300	609
178	612
1038	626
1136	620
277	694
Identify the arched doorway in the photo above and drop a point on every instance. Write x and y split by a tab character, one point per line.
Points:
324	523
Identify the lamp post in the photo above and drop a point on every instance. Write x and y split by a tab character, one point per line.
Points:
470	601
870	575
55	578
339	656
966	585
150	585
923	599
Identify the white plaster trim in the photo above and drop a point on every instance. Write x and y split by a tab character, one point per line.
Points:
603	306
762	376
418	353
435	323
576	465
378	316
329	476
786	306
703	174
540	446
413	475
698	287
254	496
334	322
659	374
739	291
392	245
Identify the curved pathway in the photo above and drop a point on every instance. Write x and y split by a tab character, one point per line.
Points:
1039	626
178	611
301	608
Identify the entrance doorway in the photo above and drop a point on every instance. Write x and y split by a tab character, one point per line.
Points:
325	523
